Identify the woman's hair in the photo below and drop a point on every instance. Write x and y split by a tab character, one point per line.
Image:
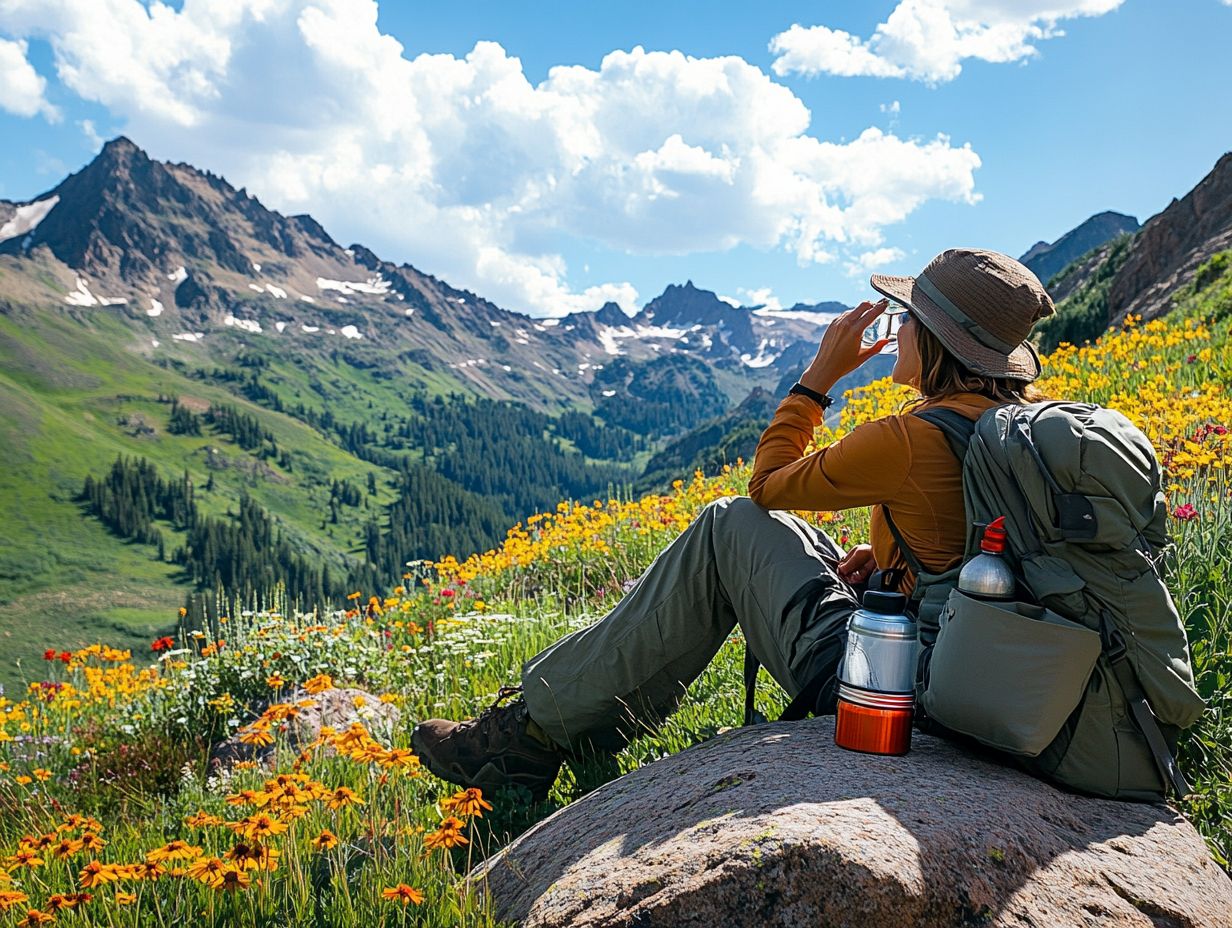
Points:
941	374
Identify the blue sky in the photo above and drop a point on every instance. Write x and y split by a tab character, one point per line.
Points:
784	153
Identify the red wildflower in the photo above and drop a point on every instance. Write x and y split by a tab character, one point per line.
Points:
49	654
1185	513
66	657
163	643
448	594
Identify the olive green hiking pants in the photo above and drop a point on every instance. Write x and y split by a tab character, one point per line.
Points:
736	564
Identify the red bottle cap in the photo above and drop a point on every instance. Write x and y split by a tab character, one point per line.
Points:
993	541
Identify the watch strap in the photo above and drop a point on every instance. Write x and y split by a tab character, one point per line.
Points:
821	399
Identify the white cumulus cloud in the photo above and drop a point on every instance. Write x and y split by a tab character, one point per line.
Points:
22	89
761	296
928	40
467	168
871	260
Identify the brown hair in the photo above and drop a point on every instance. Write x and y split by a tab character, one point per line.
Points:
942	374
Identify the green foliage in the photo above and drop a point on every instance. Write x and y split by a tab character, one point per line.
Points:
663	396
122	768
1210	291
1083	315
596	440
183	421
245	428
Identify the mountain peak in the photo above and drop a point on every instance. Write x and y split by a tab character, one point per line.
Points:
1046	259
121	144
611	314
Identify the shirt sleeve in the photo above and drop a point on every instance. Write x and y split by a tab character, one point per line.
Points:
867	466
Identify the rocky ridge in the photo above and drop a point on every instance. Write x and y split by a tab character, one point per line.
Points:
185	258
1171	246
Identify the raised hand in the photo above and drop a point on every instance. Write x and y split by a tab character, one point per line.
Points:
841	351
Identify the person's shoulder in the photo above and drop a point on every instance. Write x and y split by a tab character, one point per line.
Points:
971	405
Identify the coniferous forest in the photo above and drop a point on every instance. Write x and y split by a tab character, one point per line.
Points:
462	471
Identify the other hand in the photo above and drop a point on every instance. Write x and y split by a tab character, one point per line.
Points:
840	351
857	565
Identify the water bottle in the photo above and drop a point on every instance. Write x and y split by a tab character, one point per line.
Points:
876	681
987	575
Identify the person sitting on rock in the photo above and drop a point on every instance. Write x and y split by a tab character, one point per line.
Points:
744	560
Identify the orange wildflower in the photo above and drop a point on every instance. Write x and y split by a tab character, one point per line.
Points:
404	894
468	803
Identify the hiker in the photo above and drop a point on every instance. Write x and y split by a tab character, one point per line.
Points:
745	561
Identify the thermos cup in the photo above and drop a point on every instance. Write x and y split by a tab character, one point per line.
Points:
876	680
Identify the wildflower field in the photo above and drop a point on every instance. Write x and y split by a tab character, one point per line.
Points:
111	815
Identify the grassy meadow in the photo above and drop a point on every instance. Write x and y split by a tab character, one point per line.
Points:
109	814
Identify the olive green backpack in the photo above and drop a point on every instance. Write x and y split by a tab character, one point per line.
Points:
1087	680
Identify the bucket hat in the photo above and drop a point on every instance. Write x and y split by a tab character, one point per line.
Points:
981	305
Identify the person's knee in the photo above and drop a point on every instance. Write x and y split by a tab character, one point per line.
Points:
730	513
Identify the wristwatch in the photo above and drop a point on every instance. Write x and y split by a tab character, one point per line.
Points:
821	399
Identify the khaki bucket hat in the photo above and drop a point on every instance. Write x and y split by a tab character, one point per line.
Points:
981	305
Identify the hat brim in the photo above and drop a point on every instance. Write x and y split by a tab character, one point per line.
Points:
1022	363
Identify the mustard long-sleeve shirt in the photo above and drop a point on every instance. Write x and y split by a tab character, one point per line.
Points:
899	462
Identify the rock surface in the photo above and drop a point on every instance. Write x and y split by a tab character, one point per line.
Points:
774	825
337	707
1172	245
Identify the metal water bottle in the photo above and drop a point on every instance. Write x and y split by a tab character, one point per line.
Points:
987	576
876	681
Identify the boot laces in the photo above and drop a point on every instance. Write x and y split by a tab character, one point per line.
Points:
494	712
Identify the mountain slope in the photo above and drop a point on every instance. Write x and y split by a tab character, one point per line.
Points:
371	412
1046	259
1172	245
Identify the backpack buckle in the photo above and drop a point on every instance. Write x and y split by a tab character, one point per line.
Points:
1114	646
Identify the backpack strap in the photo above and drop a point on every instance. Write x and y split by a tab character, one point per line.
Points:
958	431
1140	707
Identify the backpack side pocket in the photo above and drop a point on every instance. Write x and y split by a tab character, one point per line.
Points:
1008	674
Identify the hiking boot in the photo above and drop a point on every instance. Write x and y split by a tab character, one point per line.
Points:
493	750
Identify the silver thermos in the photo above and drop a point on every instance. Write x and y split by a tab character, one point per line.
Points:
876	692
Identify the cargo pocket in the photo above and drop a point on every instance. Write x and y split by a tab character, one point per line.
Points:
1092	760
1008	674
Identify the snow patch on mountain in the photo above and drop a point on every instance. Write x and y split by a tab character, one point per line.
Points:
762	358
310	328
378	285
349	331
156	308
607	339
247	325
27	218
281	326
801	314
189	336
276	291
83	297
179	275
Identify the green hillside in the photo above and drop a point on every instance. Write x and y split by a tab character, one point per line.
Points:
353	819
73	399
77	390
